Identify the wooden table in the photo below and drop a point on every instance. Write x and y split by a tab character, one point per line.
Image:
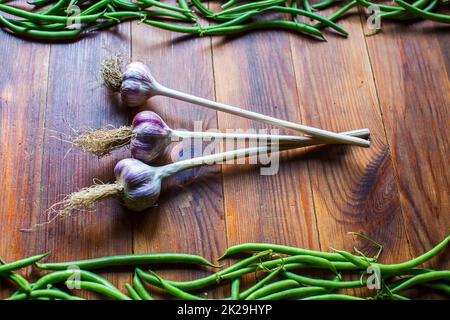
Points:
396	83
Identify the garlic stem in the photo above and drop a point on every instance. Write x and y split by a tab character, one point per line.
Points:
327	136
178	166
363	133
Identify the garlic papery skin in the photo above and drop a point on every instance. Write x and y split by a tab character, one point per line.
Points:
141	183
151	136
138	84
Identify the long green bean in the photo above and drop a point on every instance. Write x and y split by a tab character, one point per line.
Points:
47	293
332	296
295	293
422	278
275	287
128	260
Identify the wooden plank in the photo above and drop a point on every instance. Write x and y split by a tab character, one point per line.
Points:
77	99
22	106
354	189
251	73
411	72
189	217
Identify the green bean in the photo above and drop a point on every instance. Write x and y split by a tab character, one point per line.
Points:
323	4
16	278
382	7
48	293
59	6
205	11
133	294
416	261
47	18
421	278
307	6
338	14
272	24
19	264
294	293
275	287
309	15
260	284
437	17
230	4
248	247
140	288
324	283
98	288
400	13
94	8
176	292
357	261
332	296
235	289
62	276
250	6
165	6
128	260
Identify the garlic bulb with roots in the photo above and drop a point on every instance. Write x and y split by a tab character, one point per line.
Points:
138	185
149	135
138	84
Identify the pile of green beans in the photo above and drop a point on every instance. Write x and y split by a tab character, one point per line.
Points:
280	273
58	20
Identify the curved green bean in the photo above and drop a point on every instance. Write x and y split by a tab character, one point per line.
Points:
140	288
422	278
98	288
132	292
48	293
63	276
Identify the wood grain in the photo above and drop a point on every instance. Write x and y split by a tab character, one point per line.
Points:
354	189
22	104
411	73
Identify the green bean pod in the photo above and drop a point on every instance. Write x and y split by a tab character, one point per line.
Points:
98	288
128	260
272	288
47	293
19	264
295	293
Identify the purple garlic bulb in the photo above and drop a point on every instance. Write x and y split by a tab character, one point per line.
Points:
141	184
152	136
138	84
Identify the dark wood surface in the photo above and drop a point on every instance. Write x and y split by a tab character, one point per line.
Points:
396	83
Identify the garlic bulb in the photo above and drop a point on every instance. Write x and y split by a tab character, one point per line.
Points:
151	136
141	183
137	84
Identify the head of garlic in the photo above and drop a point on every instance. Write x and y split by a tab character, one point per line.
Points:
140	184
138	84
151	136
